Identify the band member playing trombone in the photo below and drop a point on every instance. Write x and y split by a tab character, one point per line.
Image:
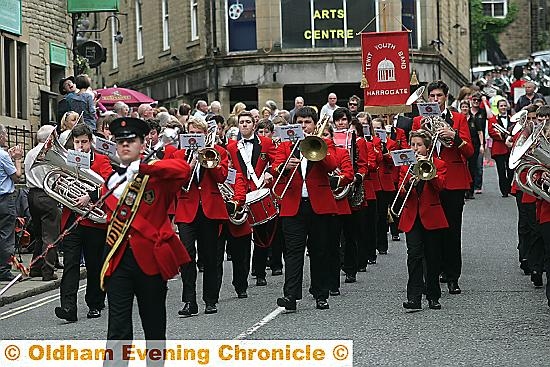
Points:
88	238
200	212
251	155
453	146
306	209
422	219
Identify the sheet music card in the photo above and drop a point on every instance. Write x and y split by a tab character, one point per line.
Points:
403	157
192	141
382	134
231	176
290	132
429	109
104	146
78	159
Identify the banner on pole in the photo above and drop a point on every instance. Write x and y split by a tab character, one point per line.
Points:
385	62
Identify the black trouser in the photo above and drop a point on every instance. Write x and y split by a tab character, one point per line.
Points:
423	244
265	237
531	250
545	232
334	254
473	167
309	229
92	241
383	200
505	174
355	244
204	232
46	218
452	202
239	248
394	225
525	225
370	232
150	290
7	231
535	256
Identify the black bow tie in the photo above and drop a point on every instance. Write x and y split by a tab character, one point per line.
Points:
120	170
251	141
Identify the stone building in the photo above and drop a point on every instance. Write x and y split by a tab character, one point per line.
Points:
255	50
33	57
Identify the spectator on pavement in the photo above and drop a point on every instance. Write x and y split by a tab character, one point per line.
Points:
331	105
298	103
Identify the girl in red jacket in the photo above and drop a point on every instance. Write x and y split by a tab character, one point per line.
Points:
422	220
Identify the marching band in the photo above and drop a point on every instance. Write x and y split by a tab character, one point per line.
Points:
335	193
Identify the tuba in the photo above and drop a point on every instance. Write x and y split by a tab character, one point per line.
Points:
65	184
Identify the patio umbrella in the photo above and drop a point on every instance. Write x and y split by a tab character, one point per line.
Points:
110	96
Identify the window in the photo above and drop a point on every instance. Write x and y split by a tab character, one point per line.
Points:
165	28
495	8
139	31
194	20
410	17
114	44
13	78
241	25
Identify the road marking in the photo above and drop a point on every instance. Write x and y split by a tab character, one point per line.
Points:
35	304
251	330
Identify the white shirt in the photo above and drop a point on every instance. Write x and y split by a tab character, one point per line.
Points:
504	120
133	169
34	176
303	164
327	110
247	157
199	114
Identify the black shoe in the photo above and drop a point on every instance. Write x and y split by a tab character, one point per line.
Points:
504	195
289	303
334	292
434	304
201	268
523	265
228	257
395	237
443	278
536	278
276	272
66	314
260	282
242	294
362	270
350	279
59	265
189	309
370	262
8	277
49	277
412	305
321	304
453	287
93	313
35	273
210	309
383	252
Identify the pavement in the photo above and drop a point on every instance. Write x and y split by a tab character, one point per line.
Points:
500	319
28	287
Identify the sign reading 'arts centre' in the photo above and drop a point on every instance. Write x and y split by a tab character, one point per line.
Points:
385	62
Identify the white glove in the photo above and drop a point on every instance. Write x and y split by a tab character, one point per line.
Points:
132	170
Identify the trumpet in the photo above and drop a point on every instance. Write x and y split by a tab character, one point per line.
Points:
313	148
207	157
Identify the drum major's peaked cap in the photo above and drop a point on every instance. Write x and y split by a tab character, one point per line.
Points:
128	127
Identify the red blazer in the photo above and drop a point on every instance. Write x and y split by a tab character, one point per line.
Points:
346	177
543	211
399	137
458	175
317	183
206	192
387	169
263	153
156	248
102	166
374	157
239	190
499	147
427	204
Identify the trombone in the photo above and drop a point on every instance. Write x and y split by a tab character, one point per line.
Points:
313	148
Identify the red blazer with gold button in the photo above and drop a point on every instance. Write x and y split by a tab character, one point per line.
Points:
317	183
458	175
206	193
263	153
102	166
427	204
499	147
374	157
155	246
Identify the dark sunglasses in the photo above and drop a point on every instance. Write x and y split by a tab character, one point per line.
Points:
352	104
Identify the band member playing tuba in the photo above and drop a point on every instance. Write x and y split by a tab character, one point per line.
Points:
456	135
200	213
422	220
88	238
306	210
144	250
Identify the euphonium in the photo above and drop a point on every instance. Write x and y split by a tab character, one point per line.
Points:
432	124
240	216
536	181
340	193
65	184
